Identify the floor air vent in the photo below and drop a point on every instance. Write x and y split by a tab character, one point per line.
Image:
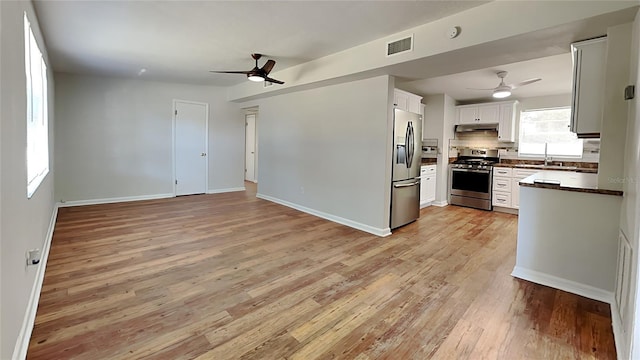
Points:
400	46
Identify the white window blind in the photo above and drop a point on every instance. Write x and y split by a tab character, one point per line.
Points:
551	127
37	111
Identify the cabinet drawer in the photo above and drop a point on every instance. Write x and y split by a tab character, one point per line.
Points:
428	170
501	199
522	173
502	171
502	184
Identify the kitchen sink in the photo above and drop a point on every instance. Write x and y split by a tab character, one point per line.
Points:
545	167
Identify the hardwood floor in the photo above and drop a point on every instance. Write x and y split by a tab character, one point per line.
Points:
229	276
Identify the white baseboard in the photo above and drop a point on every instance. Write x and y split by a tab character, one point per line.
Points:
337	219
440	203
505	210
217	191
24	336
563	284
113	200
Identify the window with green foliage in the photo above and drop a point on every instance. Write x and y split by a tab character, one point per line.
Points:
548	128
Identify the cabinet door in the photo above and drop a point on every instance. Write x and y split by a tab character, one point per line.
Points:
430	192
415	103
515	194
506	128
468	115
589	59
401	100
488	114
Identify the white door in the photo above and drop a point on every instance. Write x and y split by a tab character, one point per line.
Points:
250	151
190	147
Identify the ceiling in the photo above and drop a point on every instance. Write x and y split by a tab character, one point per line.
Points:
180	41
555	71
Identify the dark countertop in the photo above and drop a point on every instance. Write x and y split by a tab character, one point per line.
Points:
549	167
568	181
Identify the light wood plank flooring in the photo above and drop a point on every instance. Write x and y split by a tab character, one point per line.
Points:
229	276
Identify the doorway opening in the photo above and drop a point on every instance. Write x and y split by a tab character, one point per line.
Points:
251	146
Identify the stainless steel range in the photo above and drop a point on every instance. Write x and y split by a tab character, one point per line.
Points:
470	178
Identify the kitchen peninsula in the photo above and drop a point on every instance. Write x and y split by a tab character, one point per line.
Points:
568	233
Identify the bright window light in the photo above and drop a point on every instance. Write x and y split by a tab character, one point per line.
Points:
37	111
551	127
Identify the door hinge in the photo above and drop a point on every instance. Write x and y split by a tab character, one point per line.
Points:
176	182
176	112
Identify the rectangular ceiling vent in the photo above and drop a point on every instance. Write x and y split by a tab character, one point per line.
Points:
400	46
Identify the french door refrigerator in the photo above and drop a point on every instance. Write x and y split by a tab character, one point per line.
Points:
405	184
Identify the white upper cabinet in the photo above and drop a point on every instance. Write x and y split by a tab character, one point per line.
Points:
506	124
589	58
407	101
478	114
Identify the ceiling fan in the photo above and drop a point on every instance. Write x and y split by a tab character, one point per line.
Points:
503	90
256	74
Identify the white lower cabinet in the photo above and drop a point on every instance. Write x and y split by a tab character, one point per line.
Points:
427	185
506	187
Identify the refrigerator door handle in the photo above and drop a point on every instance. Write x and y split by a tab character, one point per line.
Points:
410	145
407	149
406	185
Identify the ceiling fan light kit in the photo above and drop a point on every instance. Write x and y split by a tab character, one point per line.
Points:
501	93
255	78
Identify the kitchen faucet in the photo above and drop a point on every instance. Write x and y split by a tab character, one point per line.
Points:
546	159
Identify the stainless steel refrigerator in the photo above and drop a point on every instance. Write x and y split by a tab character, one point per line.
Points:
405	184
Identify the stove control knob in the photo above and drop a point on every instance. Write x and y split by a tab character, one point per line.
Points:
469	166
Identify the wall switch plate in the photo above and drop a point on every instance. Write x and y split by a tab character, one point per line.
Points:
629	92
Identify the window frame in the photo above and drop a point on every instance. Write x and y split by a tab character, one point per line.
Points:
541	155
37	157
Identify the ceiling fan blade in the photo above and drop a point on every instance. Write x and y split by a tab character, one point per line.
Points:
266	78
526	82
481	89
230	72
268	66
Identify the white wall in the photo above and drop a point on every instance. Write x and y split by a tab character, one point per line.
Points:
614	121
327	150
114	137
440	121
629	217
25	222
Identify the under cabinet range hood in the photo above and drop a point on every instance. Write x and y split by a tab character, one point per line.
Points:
466	128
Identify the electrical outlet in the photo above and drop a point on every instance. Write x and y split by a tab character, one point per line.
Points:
33	257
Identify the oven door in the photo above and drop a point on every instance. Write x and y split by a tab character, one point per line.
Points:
471	183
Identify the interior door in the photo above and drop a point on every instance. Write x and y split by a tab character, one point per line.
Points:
190	148
250	148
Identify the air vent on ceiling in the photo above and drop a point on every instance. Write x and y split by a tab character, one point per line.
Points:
399	46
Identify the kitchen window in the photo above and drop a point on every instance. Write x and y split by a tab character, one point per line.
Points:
540	128
37	111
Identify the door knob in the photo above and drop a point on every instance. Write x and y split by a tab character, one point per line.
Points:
203	154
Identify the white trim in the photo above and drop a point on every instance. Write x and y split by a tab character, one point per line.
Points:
563	284
350	223
618	330
24	336
113	200
442	203
218	191
173	140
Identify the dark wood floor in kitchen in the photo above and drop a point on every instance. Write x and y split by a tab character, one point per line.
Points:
229	276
